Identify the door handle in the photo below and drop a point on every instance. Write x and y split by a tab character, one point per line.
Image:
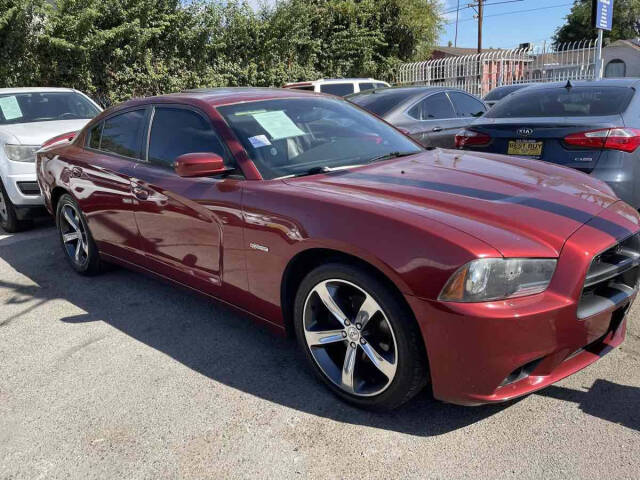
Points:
436	129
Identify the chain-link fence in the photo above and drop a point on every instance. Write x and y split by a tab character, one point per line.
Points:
479	73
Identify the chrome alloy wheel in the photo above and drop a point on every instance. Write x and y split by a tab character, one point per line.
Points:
74	236
4	214
350	337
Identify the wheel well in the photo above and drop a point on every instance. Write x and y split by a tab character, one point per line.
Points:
304	262
56	193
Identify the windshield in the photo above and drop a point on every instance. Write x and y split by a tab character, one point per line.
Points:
382	102
563	102
297	136
44	106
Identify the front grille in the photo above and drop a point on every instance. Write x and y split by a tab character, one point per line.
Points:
29	188
611	278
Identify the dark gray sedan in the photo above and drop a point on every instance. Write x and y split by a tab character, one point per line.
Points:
593	127
431	115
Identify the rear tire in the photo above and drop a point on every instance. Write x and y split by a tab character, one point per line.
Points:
75	237
8	217
374	357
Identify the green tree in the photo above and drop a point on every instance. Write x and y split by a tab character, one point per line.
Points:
578	25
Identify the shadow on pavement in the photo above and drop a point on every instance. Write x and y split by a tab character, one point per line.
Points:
607	400
208	338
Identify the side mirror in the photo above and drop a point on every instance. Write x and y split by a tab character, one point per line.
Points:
199	165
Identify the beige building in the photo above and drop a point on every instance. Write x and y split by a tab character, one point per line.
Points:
622	59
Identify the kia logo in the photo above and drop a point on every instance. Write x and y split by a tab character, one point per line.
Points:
525	132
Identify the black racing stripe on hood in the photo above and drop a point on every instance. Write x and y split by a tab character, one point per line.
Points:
580	216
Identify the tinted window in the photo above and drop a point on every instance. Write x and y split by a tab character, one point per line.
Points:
501	92
340	89
563	102
176	131
309	88
94	136
366	86
44	106
434	106
382	102
381	85
121	134
299	136
466	105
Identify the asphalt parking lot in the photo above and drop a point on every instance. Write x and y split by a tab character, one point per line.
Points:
122	376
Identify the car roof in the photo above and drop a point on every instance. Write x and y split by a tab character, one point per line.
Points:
605	82
221	96
34	90
411	89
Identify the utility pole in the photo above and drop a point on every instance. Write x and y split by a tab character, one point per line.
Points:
480	26
455	42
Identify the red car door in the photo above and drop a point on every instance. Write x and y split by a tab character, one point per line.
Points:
101	182
190	228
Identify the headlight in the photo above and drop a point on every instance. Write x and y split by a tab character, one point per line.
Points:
21	153
497	278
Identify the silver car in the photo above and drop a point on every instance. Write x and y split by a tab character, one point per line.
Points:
430	115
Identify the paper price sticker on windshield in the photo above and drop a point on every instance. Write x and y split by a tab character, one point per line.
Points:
278	124
10	108
259	141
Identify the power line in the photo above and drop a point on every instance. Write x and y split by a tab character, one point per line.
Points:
513	12
470	5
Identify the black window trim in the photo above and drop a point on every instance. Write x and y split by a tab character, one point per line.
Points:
420	99
145	122
228	155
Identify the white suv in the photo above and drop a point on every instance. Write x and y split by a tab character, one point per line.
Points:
339	86
29	117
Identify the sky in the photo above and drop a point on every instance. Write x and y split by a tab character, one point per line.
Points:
506	25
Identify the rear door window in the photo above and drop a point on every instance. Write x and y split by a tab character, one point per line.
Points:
563	102
366	86
176	131
466	105
433	107
122	133
340	89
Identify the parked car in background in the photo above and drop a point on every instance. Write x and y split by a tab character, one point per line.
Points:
498	93
489	278
593	127
338	86
29	117
430	115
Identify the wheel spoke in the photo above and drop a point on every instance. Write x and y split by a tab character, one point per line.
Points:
324	337
70	237
382	364
78	250
85	246
348	368
368	309
70	220
329	302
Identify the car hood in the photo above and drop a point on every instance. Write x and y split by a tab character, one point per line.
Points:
520	207
37	133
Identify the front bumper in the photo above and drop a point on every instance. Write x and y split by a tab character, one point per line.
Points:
495	351
21	183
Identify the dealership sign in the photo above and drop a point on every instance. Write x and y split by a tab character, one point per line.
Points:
602	14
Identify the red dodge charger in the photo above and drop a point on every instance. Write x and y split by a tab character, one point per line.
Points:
485	276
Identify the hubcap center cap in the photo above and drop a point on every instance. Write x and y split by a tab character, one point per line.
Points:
353	334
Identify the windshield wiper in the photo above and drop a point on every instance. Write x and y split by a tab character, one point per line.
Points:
313	171
390	155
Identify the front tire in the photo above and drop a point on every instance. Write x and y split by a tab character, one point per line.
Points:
359	338
8	217
75	237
